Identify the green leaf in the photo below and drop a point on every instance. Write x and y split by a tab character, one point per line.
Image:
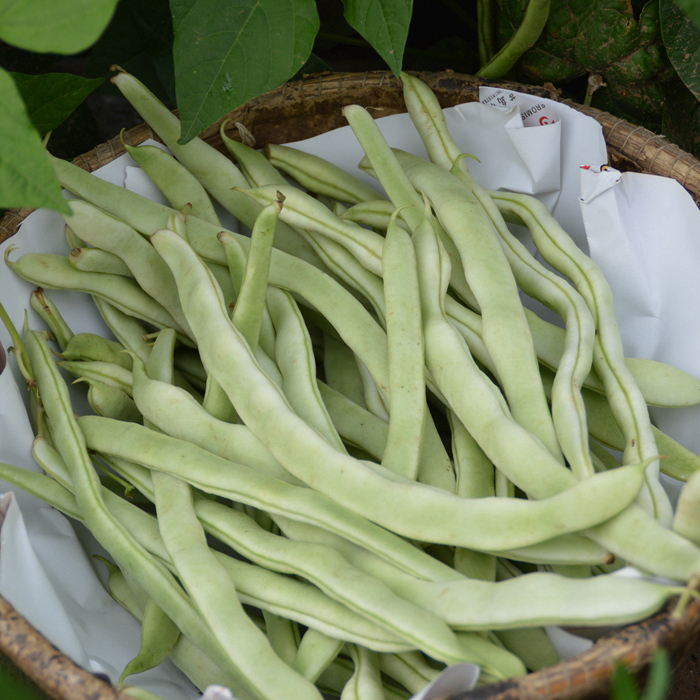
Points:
692	9
54	26
139	39
682	40
50	98
228	53
26	176
384	24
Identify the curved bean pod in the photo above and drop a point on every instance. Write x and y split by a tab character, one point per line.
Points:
316	651
539	599
246	485
107	372
174	412
214	594
111	402
685	520
256	168
90	346
325	568
250	302
158	638
302	211
365	681
159	583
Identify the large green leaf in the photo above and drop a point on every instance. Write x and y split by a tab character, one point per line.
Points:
227	52
51	97
682	40
384	24
692	9
54	26
26	176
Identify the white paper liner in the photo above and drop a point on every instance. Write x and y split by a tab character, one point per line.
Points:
643	232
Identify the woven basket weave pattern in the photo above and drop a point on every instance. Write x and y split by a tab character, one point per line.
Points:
305	108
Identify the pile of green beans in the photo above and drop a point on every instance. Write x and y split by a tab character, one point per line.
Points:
336	454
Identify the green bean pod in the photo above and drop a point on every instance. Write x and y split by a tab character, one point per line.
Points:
214	594
284	638
365	683
505	330
407	404
316	651
91	346
409	669
250	301
111	402
302	211
626	400
107	372
325	568
685	520
256	168
158	638
539	598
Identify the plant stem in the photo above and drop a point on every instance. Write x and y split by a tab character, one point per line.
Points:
485	31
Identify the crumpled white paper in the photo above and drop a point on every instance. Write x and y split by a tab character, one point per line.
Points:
641	229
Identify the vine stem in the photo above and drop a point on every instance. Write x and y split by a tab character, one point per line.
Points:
525	36
485	31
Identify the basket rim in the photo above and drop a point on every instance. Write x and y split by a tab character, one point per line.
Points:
628	145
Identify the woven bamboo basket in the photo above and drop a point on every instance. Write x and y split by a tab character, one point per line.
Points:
301	109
